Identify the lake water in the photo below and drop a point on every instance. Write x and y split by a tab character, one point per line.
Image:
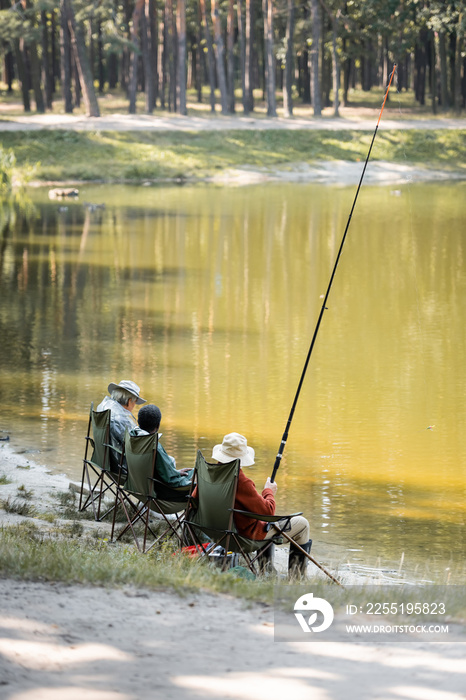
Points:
208	298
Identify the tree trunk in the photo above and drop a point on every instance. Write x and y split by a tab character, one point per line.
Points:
9	70
220	56
444	101
181	32
230	56
248	67
420	67
210	54
146	62
151	19
77	84
325	68
82	62
199	56
22	77
269	58
314	56
134	57
169	55
463	84
457	101
146	49
289	60
34	63
65	52
335	67
242	52
162	57
112	71
55	48
91	49
100	59
433	74
47	68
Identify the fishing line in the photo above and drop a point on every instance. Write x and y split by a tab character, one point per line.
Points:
324	307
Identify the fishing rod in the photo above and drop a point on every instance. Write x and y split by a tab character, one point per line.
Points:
324	307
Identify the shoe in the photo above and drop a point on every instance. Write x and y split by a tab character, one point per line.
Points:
297	561
265	560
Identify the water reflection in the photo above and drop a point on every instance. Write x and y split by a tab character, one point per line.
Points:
208	298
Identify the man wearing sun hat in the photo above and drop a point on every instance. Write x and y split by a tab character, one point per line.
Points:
122	401
235	446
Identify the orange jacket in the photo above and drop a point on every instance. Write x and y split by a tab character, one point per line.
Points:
248	498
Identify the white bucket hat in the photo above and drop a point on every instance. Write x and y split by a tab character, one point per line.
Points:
127	385
234	446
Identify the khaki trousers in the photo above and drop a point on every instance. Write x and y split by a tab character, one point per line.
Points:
299	531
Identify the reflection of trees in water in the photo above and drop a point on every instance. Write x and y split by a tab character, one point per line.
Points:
16	209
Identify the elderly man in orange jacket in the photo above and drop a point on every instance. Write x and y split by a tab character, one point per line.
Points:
235	446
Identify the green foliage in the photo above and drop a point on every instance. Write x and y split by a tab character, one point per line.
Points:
7	166
4	480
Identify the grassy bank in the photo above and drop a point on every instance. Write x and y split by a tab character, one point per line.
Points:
65	544
28	553
143	155
61	544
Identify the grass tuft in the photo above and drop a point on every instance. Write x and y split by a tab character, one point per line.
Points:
18	506
4	480
23	492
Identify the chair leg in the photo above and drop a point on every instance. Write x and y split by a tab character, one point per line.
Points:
91	497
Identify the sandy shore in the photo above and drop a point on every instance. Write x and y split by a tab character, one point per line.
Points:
74	642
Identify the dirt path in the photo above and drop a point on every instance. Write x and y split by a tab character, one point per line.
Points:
62	642
138	122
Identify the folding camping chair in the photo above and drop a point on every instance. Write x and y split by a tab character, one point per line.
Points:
212	512
99	472
150	494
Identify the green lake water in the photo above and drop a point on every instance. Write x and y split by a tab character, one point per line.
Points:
208	298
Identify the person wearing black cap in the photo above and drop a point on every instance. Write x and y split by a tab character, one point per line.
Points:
149	419
122	401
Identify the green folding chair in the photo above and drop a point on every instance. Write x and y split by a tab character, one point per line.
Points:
99	475
212	513
149	493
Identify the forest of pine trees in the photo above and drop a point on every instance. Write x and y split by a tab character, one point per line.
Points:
307	51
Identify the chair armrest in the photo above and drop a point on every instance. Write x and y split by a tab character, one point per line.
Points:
177	493
264	518
112	447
